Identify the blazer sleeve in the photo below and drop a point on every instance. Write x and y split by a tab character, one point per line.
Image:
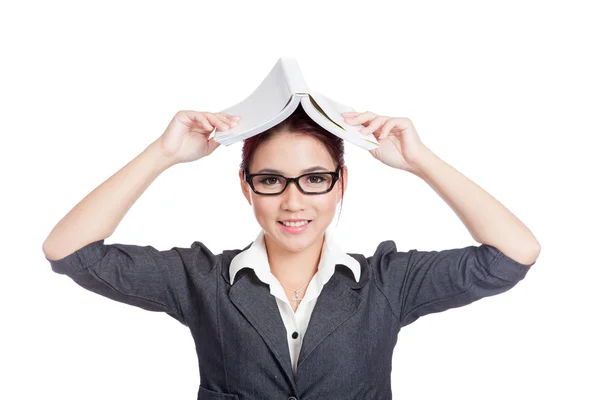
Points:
417	283
141	276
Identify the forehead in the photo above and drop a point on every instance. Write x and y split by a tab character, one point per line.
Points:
291	154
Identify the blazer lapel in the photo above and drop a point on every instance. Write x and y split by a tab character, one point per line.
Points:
254	300
335	304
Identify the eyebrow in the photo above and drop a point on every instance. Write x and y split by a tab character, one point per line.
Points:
274	171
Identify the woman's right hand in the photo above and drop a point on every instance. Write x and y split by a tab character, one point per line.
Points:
186	137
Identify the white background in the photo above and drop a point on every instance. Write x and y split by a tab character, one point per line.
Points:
507	93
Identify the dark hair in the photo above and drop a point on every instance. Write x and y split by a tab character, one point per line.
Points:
297	123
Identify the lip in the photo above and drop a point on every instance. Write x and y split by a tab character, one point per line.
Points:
294	229
295	220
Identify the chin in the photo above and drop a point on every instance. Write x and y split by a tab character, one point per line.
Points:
294	242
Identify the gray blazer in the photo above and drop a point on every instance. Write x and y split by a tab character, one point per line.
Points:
240	337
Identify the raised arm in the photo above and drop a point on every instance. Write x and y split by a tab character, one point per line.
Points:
488	221
97	216
417	283
137	275
100	212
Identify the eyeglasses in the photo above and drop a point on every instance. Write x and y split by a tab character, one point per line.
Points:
274	184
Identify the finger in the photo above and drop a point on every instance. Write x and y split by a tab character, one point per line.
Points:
192	118
374	125
227	119
231	117
217	121
387	126
363	118
206	124
212	145
402	123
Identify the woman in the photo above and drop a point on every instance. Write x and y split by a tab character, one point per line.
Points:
291	315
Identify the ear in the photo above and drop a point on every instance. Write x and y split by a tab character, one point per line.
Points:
245	187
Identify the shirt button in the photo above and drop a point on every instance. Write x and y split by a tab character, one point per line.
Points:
294	336
292	398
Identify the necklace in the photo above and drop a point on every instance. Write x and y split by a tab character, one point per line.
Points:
296	298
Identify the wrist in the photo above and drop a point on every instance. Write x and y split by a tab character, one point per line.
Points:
423	162
161	161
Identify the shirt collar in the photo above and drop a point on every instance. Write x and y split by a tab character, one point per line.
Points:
255	257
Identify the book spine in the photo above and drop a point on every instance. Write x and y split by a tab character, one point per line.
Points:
293	75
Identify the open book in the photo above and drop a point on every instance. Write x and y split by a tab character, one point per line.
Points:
278	96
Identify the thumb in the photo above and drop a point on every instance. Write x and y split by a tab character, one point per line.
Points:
212	145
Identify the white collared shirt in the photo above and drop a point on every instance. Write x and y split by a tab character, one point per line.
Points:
255	257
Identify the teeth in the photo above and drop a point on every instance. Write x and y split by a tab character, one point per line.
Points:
299	223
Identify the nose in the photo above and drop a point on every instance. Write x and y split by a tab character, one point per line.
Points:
292	196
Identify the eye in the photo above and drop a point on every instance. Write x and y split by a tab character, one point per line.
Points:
315	178
269	180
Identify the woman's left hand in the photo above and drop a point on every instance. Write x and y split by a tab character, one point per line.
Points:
399	145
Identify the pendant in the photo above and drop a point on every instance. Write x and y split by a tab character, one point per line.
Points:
296	295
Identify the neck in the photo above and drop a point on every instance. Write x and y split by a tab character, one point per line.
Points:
294	269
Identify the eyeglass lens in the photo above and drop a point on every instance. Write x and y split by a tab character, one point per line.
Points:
312	183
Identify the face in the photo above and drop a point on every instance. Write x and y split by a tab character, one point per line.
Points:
291	155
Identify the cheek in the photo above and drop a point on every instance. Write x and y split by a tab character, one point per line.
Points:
265	207
325	204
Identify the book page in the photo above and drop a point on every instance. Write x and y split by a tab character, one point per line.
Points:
327	113
261	107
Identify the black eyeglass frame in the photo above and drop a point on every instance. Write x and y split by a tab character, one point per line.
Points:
335	176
